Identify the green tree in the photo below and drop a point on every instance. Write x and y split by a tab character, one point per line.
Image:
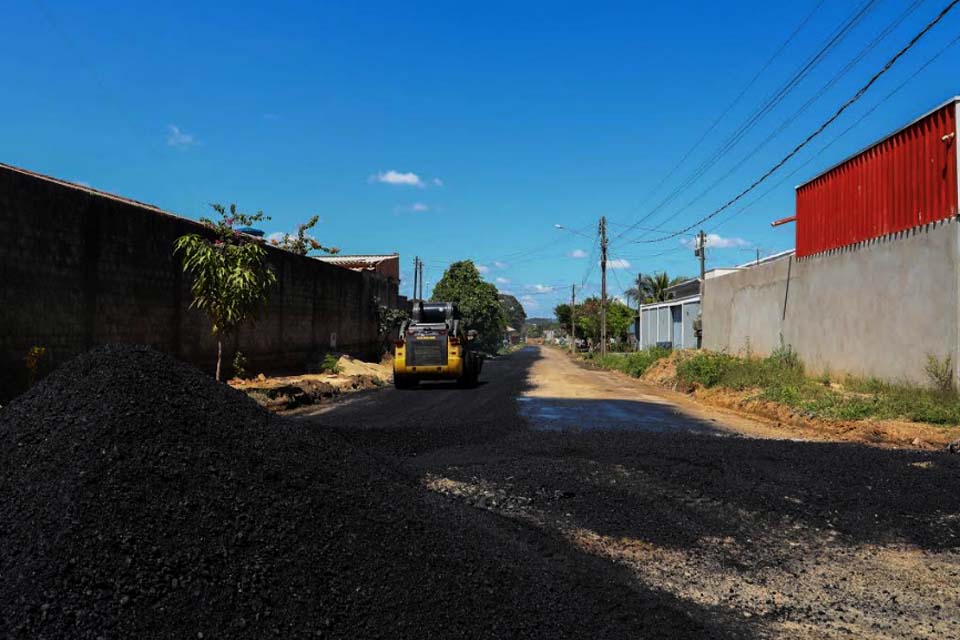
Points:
619	319
477	300
303	243
513	311
230	276
656	287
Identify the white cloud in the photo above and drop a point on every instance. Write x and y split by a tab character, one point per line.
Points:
577	253
276	235
539	288
404	179
529	302
482	268
717	242
397	178
502	281
500	265
179	139
618	263
416	207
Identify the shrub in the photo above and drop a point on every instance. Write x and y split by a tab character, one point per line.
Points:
705	368
33	362
329	364
940	372
240	365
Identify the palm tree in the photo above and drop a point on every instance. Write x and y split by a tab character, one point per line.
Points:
655	287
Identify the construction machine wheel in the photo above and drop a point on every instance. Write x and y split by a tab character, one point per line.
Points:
403	382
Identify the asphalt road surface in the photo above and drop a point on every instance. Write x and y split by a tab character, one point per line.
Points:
719	534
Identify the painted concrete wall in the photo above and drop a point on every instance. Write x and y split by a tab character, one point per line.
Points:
876	309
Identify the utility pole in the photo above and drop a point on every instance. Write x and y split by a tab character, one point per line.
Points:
638	329
416	274
603	285
701	253
421	280
573	318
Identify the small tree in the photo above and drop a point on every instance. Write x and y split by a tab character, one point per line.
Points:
230	276
478	302
303	243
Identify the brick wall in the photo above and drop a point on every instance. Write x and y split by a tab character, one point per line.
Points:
79	268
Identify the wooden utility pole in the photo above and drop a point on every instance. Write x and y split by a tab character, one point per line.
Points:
639	327
603	285
573	318
421	279
701	253
416	274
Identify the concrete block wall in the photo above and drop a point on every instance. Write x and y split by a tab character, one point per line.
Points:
876	309
79	268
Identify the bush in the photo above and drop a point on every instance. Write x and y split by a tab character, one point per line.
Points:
633	364
330	364
940	372
708	369
240	365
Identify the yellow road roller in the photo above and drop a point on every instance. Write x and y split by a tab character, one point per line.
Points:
432	345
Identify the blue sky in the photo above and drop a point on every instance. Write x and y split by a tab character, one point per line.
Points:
452	131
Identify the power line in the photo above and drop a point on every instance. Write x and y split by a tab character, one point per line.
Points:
796	114
859	94
761	112
734	102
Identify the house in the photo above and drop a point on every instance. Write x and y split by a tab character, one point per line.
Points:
670	323
386	265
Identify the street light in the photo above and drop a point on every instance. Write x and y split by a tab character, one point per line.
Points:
560	227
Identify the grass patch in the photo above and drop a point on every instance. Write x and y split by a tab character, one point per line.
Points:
780	378
633	364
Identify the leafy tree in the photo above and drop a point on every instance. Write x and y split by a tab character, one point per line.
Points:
513	310
619	318
303	243
230	276
478	302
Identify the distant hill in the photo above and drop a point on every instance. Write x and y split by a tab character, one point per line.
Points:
542	321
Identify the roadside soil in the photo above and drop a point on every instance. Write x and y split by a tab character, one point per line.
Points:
770	419
287	393
747	537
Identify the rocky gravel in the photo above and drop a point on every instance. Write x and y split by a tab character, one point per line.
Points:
751	538
140	499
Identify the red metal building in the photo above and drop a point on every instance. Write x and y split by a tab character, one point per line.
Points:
905	180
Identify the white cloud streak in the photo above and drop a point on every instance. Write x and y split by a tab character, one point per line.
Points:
718	242
178	138
503	281
577	253
618	263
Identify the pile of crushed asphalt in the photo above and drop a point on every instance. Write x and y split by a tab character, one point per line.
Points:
139	498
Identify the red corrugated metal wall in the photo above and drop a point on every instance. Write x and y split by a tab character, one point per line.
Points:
905	181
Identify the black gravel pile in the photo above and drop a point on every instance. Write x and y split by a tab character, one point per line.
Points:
139	498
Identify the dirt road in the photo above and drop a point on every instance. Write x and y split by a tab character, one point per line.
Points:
717	534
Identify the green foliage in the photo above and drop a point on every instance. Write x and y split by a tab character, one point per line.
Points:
513	311
780	378
33	362
477	300
230	276
240	365
619	319
303	243
633	364
330	364
940	372
706	368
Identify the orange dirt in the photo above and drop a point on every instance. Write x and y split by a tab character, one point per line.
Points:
895	433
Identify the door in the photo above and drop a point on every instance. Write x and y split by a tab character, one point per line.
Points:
676	334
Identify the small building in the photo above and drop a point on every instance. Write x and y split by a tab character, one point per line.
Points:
670	323
386	265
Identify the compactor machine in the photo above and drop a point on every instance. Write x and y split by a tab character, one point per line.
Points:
432	345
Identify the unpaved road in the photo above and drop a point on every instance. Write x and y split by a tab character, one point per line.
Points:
726	535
